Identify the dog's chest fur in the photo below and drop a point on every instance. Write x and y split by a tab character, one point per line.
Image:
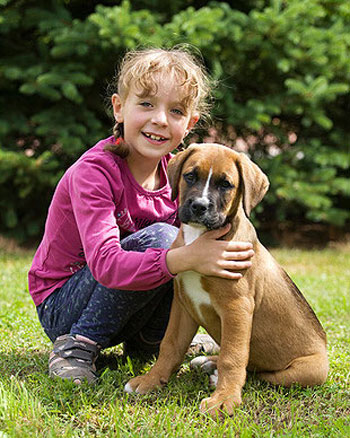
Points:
191	280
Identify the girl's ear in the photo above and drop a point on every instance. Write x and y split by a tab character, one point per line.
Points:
117	108
193	120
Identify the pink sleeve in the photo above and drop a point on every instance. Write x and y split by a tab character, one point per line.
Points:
93	206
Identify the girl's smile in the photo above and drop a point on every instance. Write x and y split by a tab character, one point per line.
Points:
154	137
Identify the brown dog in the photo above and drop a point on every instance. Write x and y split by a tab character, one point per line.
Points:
261	321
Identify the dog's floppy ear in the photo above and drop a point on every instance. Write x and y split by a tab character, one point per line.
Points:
175	168
254	182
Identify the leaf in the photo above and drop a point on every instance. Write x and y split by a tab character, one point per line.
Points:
322	120
27	89
10	217
71	92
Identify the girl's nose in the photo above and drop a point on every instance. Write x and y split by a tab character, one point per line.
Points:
160	118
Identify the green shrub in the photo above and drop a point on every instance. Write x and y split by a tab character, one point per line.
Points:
26	186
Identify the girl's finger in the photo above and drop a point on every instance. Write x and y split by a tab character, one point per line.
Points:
239	246
235	266
229	275
241	255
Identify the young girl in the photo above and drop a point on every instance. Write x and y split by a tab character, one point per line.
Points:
103	272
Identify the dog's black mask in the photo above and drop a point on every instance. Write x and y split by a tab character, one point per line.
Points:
203	210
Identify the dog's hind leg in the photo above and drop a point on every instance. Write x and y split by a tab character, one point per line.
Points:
305	371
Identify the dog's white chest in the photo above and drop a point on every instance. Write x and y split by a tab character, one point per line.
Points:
196	294
191	280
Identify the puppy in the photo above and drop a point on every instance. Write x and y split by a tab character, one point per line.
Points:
261	321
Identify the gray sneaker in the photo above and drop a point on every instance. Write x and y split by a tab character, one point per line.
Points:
203	343
73	358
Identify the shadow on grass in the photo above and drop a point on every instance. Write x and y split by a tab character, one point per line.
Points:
113	369
28	370
22	364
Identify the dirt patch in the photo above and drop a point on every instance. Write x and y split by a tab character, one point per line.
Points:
10	246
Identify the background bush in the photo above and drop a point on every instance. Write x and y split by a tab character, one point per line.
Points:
282	70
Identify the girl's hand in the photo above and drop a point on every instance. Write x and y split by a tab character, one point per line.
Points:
220	258
209	256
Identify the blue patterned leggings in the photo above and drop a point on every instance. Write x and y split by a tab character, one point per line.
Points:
109	316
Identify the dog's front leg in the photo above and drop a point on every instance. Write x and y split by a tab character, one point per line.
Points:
178	336
236	325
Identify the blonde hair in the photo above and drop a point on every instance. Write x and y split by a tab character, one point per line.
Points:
142	69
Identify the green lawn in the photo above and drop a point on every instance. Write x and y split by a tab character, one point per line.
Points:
31	404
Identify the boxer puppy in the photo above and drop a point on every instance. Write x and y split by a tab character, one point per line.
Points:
261	321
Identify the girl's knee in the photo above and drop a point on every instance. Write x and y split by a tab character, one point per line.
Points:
163	234
158	235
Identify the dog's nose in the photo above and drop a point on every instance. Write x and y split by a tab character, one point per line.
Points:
199	206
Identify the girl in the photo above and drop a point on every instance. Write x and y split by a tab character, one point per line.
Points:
103	272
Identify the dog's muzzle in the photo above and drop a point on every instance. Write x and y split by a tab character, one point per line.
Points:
199	207
201	211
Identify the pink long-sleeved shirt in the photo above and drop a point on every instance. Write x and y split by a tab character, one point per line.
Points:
96	203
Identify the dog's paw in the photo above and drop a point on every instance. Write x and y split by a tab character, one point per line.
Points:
219	405
206	363
143	384
213	379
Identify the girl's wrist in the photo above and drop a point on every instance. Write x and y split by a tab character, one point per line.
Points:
178	260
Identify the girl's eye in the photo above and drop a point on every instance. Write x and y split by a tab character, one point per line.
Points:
178	112
146	104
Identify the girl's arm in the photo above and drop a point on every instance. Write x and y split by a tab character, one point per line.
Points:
94	191
210	256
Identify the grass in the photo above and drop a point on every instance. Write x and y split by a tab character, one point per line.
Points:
32	404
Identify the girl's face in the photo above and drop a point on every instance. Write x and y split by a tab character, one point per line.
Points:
156	124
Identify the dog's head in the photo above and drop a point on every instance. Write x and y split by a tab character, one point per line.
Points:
211	181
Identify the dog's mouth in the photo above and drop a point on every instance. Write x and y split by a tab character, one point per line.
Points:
208	218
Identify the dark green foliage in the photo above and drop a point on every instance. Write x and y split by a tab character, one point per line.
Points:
25	192
282	70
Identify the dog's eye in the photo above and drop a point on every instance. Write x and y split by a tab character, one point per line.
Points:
190	177
225	185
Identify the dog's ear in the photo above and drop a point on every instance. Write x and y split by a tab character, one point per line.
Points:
254	182
175	167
